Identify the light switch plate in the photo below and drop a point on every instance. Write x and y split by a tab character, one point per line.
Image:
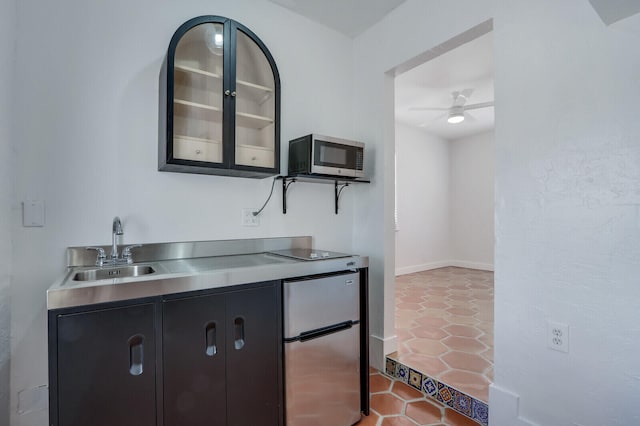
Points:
33	213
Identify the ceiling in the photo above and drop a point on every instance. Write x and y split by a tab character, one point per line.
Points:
469	66
350	17
611	11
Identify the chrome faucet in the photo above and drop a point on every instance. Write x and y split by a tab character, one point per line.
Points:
127	256
117	230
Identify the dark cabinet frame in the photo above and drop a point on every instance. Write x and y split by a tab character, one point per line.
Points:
228	167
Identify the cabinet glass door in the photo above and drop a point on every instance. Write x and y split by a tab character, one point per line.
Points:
255	94
197	96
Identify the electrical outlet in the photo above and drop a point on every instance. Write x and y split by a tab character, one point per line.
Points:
248	219
557	336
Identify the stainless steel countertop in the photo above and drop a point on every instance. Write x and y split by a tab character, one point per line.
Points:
189	274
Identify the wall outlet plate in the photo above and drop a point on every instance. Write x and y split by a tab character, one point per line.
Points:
557	336
248	219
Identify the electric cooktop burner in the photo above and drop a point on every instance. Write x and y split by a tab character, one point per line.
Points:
309	254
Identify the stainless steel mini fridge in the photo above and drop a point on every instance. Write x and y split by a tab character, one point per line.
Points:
322	351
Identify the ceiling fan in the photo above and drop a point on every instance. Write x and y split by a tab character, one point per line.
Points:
457	112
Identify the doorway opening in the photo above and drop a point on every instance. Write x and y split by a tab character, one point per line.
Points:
444	215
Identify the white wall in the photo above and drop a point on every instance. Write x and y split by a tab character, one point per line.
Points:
472	201
445	201
568	211
568	208
423	185
86	132
568	226
7	55
405	33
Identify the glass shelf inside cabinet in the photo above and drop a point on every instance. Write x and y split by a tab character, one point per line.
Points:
196	110
187	69
252	121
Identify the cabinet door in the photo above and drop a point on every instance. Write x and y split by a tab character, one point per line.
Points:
198	75
252	357
194	361
256	88
106	362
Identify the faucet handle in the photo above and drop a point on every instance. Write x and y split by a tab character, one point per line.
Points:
101	255
126	252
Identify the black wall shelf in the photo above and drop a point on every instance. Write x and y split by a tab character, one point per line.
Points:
338	184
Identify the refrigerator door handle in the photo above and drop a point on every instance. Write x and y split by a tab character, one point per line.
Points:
319	332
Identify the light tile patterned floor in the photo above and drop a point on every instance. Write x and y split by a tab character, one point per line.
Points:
394	403
444	323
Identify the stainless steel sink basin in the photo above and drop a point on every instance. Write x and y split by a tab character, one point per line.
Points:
113	272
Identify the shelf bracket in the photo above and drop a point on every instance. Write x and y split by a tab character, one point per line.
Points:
285	186
338	186
338	190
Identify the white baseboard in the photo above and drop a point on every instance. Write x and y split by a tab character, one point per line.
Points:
505	408
472	265
379	348
424	267
442	264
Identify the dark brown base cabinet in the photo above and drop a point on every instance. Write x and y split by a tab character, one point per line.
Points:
100	379
221	353
206	358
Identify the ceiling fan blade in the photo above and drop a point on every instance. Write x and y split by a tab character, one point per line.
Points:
470	118
467	93
427	109
433	121
479	105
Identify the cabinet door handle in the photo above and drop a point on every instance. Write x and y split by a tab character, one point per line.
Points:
238	327
136	354
210	338
227	92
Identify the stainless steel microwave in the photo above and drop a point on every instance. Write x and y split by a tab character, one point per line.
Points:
326	156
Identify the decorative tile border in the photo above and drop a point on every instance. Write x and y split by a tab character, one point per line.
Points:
464	404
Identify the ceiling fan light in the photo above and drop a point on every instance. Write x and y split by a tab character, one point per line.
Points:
455	117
